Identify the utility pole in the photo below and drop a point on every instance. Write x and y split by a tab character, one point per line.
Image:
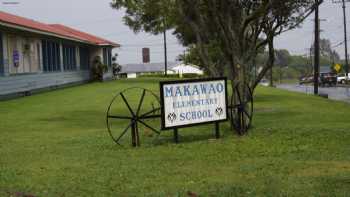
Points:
317	48
165	54
345	35
346	42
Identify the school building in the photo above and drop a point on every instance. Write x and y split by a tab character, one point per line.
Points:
35	56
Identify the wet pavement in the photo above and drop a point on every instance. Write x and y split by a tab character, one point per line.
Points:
334	93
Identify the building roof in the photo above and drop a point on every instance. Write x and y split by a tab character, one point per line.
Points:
187	69
147	68
83	35
56	30
179	66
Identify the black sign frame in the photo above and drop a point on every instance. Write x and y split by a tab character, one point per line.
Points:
161	87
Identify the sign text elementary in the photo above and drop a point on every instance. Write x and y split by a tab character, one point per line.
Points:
192	102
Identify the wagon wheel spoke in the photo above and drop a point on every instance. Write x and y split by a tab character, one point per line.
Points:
150	112
243	125
146	125
239	124
119	117
140	112
248	107
149	117
241	111
123	133
235	106
235	120
239	96
141	102
247	114
248	111
248	99
137	133
127	104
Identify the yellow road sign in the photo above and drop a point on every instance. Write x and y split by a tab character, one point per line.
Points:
337	67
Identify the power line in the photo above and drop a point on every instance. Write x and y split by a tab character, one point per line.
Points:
146	45
94	22
10	2
115	33
153	52
337	45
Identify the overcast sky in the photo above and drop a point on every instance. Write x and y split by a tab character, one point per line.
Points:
98	18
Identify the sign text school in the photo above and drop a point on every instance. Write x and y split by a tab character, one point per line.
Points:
191	102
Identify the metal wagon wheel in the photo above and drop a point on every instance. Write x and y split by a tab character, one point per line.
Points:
133	114
241	112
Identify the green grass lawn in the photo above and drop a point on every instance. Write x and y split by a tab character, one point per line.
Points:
56	144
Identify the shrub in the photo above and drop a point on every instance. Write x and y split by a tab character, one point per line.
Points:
98	69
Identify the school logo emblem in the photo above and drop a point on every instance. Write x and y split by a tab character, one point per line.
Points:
219	111
172	117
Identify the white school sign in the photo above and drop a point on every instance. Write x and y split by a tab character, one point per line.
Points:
191	102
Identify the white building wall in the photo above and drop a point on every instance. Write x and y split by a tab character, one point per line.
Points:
187	69
131	75
96	52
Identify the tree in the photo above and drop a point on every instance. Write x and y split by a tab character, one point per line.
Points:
192	57
98	69
282	57
153	16
241	28
327	51
116	67
237	29
282	60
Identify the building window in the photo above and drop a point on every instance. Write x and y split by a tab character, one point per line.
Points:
107	57
84	58
1	56
51	56
69	57
22	55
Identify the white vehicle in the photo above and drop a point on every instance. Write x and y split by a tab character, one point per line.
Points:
342	78
264	82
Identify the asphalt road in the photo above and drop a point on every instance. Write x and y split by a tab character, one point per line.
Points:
335	93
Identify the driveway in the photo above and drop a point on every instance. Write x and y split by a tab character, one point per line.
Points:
335	93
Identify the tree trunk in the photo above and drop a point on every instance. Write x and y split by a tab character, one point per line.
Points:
239	96
269	63
271	76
